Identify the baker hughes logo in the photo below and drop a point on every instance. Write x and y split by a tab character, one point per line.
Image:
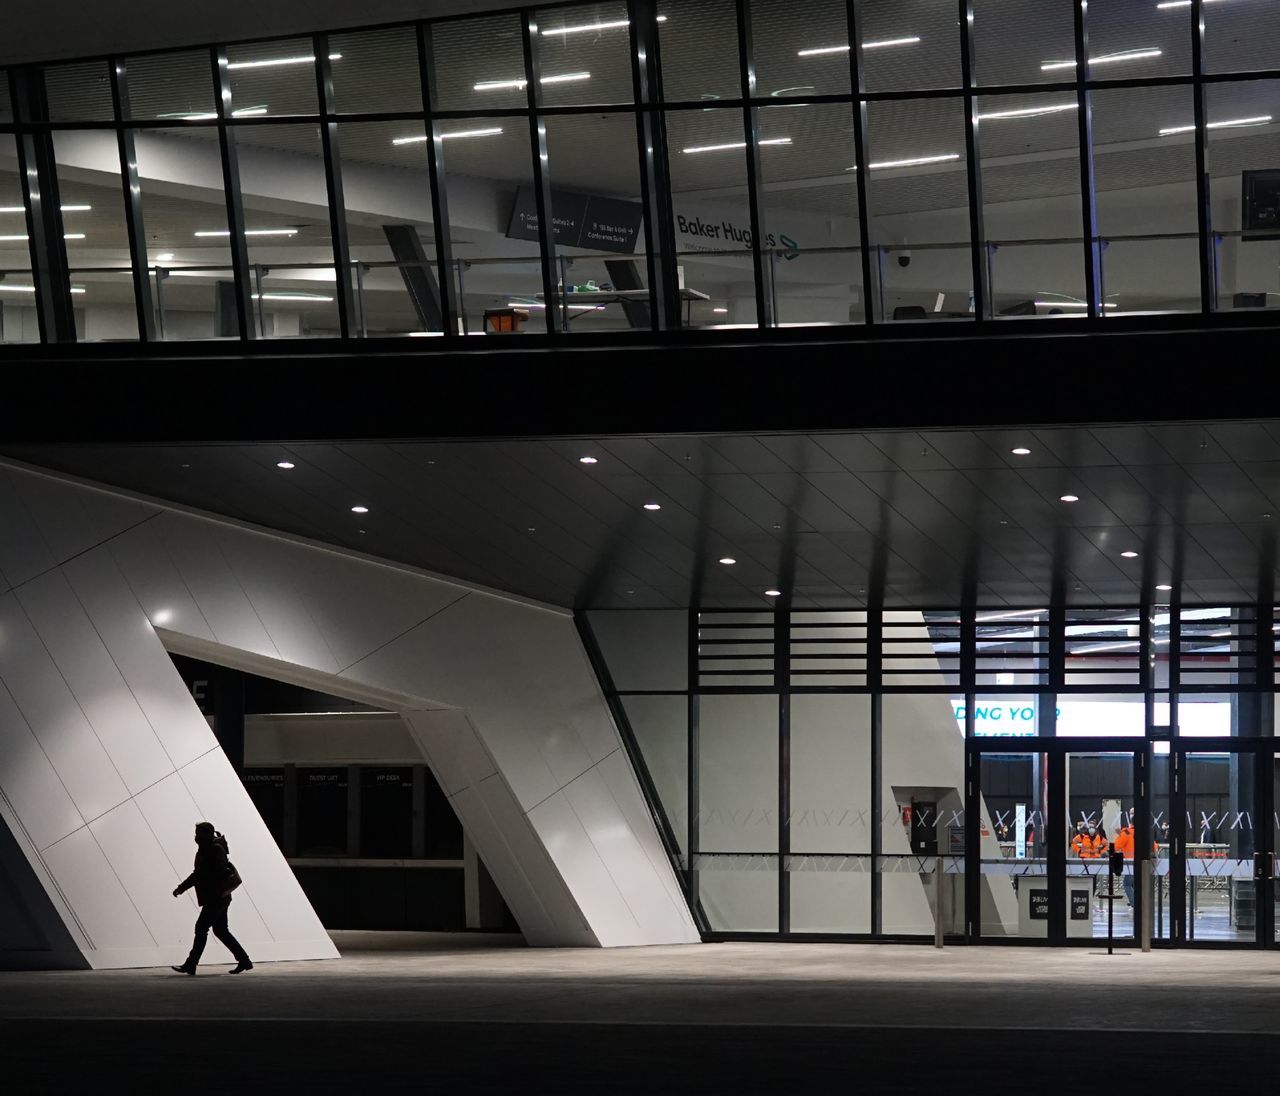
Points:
727	232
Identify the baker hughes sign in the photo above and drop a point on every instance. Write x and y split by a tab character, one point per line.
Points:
720	234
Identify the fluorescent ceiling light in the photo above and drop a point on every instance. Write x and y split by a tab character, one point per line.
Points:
275	62
572	307
18	238
1029	112
1164	586
1021	451
1230	123
292	297
1169	5
284	464
737	144
165	257
773	593
250	232
359	509
587	28
728	561
721	311
1069	498
492	131
882	44
211	115
32	288
916	161
1010	615
588	460
653	506
1071	304
565	78
1105	59
65	209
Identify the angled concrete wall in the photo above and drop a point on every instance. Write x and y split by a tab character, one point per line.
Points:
105	761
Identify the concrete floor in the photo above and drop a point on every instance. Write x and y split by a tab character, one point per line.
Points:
401	1010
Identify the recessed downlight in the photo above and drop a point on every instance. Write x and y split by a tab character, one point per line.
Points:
588	460
1068	498
773	593
1021	451
284	464
728	561
359	509
653	506
1164	586
1129	555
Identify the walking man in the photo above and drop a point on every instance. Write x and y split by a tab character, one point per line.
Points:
214	879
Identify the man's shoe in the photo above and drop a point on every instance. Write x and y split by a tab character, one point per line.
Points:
240	968
184	969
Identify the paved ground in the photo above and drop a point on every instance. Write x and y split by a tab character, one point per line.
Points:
408	1012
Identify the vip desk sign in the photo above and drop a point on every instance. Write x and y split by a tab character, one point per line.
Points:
1080	905
1039	905
579	220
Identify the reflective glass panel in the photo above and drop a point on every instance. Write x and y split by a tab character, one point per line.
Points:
271	78
584	55
699	41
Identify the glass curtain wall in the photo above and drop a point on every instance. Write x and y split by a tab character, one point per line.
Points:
637	164
857	773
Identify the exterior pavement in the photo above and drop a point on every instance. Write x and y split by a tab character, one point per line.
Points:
404	1011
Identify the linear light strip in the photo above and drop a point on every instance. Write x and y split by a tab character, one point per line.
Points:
736	144
566	78
587	28
1029	112
415	140
250	232
1105	59
275	62
23	236
1230	123
882	44
65	209
32	288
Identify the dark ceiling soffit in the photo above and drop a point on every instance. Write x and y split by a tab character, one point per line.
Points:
803	381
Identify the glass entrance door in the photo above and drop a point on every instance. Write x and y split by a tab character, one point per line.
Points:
1221	896
1056	805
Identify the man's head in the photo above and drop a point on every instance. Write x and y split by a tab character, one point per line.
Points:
1080	827
204	832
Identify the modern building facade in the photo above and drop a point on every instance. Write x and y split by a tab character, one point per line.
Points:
739	450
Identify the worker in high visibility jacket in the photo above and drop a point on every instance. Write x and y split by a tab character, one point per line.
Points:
1088	843
1125	844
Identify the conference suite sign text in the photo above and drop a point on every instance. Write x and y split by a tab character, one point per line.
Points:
579	220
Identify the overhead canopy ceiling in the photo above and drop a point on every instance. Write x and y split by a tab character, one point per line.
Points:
929	519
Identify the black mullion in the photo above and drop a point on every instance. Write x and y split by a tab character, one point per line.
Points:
655	171
973	165
862	151
972	834
438	183
541	175
750	129
782	680
231	191
694	837
1056	852
875	682
37	168
1204	215
132	202
1177	843
1088	202
333	185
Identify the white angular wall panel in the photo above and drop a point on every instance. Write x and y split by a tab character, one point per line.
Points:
620	779
23	552
447	737
29	782
631	872
150	572
54	716
146	875
131	641
103	909
94	680
73	519
498	693
193	547
271	583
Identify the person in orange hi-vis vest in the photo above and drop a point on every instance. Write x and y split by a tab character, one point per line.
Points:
1125	844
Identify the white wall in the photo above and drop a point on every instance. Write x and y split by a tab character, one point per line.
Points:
105	761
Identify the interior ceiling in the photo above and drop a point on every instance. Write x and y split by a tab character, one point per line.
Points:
829	518
1023	158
